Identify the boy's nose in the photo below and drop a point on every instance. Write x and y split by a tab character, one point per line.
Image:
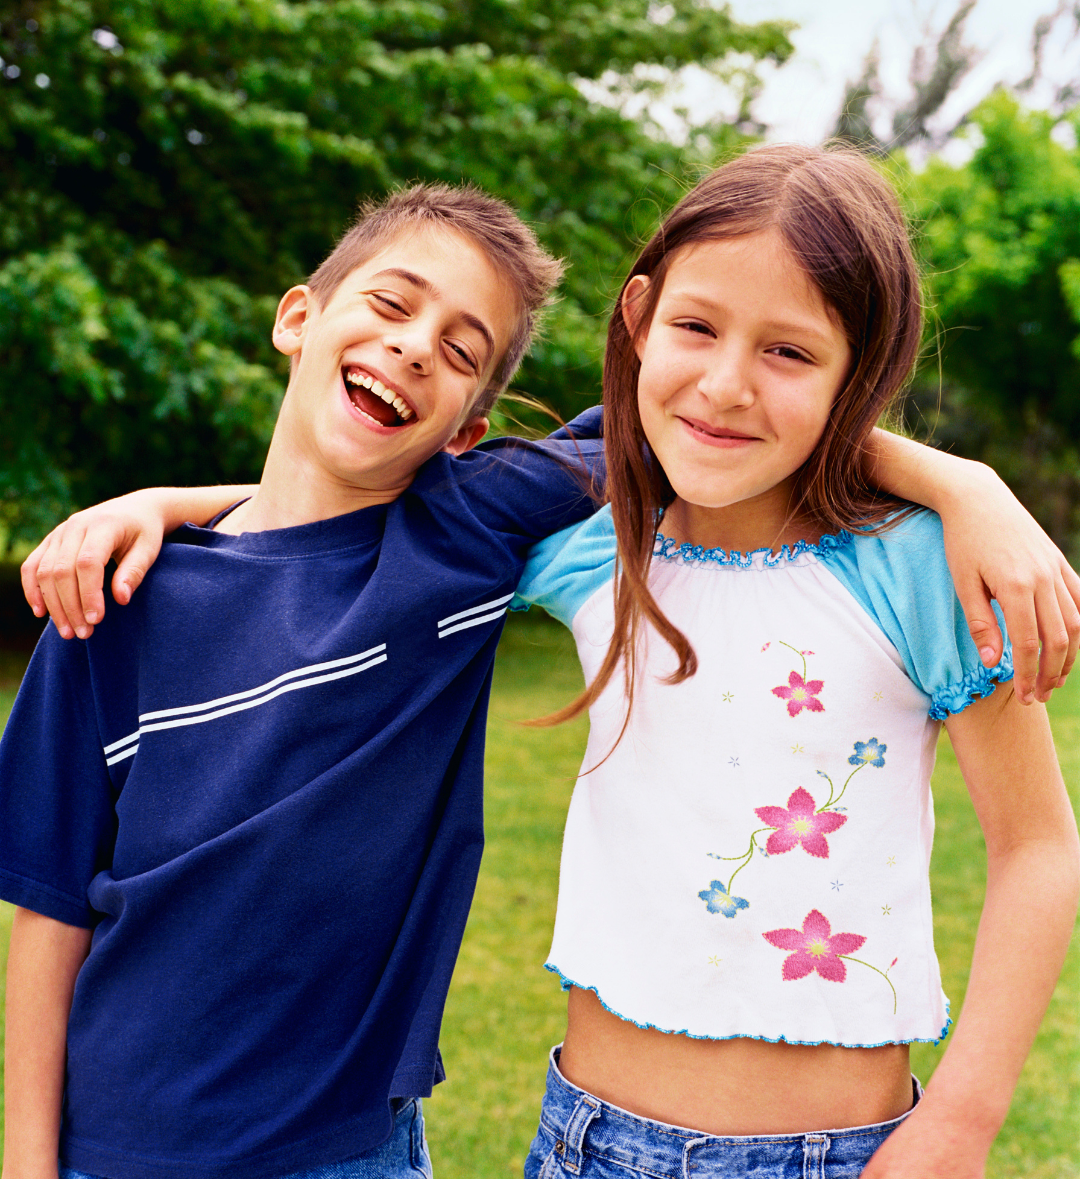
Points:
411	359
413	348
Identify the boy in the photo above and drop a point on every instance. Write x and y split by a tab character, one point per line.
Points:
260	785
266	794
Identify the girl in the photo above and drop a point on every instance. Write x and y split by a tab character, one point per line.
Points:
744	920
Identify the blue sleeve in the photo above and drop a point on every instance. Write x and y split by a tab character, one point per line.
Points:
566	569
57	803
903	581
528	489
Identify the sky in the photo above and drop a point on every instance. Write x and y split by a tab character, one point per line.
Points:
800	99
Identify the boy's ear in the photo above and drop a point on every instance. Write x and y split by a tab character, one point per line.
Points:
632	305
292	316
467	436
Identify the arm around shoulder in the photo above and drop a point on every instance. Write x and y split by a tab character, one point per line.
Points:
64	575
995	550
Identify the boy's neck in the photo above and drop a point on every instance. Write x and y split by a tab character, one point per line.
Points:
295	491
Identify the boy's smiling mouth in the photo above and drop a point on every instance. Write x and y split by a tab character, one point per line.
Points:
373	399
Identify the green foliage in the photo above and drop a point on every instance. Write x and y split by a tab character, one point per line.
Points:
168	170
1001	240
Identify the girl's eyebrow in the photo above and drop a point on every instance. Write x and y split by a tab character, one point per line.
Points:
774	325
423	284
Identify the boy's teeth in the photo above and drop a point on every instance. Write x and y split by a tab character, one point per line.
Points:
382	392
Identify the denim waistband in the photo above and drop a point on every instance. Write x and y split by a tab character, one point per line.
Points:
583	1124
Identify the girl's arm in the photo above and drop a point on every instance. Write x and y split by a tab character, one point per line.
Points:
65	573
44	958
1033	876
995	550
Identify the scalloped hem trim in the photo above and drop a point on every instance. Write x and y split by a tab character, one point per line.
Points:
693	554
567	983
979	682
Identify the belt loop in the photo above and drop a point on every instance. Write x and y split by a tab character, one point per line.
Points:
573	1139
815	1148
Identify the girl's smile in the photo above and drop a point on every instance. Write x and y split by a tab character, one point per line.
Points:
740	366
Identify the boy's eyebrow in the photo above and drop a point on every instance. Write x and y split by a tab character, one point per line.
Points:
421	283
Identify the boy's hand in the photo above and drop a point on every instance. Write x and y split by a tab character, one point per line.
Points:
64	575
996	550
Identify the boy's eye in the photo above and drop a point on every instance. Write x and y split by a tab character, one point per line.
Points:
462	355
386	301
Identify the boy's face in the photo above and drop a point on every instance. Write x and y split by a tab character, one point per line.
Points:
386	373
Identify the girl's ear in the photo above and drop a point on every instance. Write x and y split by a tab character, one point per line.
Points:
633	304
292	317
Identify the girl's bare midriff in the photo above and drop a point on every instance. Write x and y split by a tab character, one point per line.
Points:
738	1086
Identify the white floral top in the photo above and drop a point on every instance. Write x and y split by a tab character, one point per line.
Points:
753	858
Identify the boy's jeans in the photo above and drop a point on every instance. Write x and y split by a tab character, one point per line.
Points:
403	1155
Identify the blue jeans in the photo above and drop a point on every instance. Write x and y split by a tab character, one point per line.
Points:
404	1155
586	1138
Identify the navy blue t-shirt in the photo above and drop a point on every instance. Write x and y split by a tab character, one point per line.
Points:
260	785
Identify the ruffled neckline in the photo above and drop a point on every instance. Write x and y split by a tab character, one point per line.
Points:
668	549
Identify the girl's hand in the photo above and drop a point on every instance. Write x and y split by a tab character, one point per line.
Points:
64	575
996	550
929	1147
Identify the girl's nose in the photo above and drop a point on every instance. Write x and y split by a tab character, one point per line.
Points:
727	381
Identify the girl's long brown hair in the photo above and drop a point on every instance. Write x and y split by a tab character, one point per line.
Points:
843	224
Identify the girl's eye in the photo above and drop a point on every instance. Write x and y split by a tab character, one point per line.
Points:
789	353
696	327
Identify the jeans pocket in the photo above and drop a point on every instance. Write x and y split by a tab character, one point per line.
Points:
552	1168
419	1158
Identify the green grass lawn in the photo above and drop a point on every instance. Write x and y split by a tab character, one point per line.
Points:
505	1011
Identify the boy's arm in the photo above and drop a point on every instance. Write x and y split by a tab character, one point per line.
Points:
44	958
995	550
64	574
1008	761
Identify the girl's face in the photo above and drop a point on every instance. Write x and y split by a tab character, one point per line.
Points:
739	369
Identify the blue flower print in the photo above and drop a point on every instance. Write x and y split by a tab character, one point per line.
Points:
717	900
868	753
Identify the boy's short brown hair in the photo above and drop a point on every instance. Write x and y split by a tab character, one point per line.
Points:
508	242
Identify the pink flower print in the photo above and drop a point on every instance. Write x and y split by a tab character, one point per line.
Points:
799	823
816	948
800	694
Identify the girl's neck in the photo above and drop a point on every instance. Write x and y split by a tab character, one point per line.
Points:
764	522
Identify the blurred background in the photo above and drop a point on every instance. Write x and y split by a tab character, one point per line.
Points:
169	167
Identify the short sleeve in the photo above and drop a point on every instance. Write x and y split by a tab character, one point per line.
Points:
903	581
566	569
57	803
523	488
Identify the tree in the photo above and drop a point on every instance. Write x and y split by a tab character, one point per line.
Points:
1001	242
167	170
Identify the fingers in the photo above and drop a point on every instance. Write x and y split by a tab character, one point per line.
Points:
1026	608
133	566
39	573
28	575
1059	629
69	577
981	619
1069	600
